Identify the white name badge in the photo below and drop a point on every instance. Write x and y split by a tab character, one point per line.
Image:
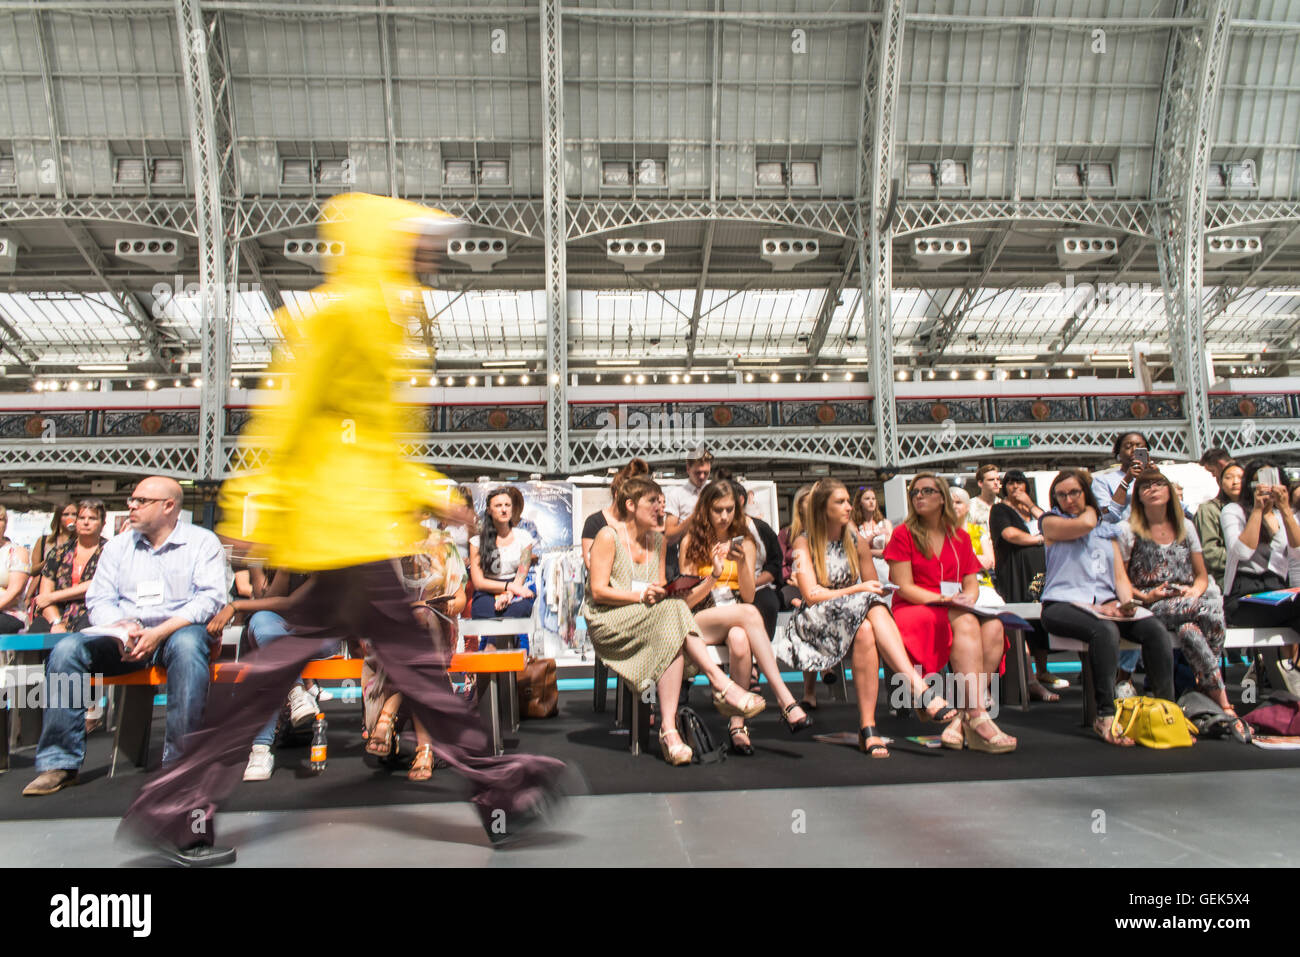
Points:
948	589
149	593
639	587
723	596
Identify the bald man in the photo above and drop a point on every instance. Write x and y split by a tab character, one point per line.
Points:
161	580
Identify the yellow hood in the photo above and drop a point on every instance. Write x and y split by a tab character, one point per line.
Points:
336	490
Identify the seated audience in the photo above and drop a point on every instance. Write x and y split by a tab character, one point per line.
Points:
69	568
1111	490
844	610
1019	568
14	563
1084	567
273	599
937	574
790	597
1209	526
643	638
989	482
1262	539
1166	570
609	514
680	501
767	564
869	521
161	581
435	582
63	529
719	547
979	544
500	556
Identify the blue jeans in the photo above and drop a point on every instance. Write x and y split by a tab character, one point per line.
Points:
1128	660
63	736
266	627
484	606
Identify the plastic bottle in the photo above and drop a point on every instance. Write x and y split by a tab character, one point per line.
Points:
319	746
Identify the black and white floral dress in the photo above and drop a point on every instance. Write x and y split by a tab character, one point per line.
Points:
820	634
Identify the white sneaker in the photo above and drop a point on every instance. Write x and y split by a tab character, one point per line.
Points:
302	707
261	762
1124	690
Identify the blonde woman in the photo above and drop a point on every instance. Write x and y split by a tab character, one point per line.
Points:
844	611
937	574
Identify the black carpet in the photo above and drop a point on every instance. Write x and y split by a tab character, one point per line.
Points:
1052	744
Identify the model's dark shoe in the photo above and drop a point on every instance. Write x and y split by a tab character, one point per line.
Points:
200	855
503	829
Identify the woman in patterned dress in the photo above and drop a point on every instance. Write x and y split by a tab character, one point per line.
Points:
643	638
723	602
844	609
1165	564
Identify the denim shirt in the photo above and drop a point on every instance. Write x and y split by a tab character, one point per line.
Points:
1082	569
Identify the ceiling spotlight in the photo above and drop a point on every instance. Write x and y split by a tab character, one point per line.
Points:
555	378
270	383
1069	373
523	380
931	374
952	374
848	377
774	377
902	375
798	377
981	374
74	386
52	385
197	383
686	378
706	377
38	386
151	384
1024	374
627	379
749	377
413	380
597	378
176	383
674	378
234	383
501	380
449	382
640	380
473	380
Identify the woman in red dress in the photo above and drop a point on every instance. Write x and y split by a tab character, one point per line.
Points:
936	571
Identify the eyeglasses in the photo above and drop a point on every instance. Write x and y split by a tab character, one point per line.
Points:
138	501
1069	493
924	492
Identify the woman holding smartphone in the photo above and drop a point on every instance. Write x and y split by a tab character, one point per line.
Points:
1263	538
719	548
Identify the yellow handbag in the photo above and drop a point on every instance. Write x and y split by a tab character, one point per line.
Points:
1153	722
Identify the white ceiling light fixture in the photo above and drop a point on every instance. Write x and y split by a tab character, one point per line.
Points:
102	368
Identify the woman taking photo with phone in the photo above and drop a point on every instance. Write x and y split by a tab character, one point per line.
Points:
719	548
1084	567
1262	538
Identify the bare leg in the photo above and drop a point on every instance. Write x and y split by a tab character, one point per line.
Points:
994	643
810	687
866	674
890	648
967	660
716	626
669	689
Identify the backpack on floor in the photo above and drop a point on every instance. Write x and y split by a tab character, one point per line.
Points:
1211	721
697	737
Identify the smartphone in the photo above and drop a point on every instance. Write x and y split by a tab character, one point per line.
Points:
1143	456
1267	476
737	542
1129	605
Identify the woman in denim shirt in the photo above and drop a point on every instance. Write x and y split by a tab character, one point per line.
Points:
1084	568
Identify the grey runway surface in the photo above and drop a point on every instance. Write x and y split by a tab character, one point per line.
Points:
1219	819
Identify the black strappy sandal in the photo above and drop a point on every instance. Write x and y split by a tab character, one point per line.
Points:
808	706
942	717
874	750
796	726
746	750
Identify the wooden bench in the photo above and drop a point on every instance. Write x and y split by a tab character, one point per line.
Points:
1233	638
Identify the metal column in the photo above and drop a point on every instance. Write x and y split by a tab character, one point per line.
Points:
1193	70
554	236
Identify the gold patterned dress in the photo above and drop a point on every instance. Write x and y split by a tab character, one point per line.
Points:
638	642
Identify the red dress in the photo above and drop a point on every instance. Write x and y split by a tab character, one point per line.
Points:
926	632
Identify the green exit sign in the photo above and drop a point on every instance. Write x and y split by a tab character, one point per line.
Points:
1011	441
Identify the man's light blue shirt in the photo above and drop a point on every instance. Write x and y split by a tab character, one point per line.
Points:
190	565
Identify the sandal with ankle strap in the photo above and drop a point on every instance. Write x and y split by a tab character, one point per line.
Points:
1000	743
381	738
747	749
953	737
796	726
874	750
942	716
677	754
422	766
1040	692
1108	730
752	705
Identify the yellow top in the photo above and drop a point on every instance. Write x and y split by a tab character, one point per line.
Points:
729	577
336	490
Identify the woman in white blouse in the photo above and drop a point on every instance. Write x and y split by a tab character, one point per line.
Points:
1262	538
499	558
